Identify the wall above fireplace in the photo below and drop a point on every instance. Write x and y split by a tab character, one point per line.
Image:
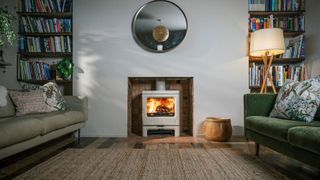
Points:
213	52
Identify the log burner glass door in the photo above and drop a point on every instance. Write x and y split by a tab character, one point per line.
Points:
160	106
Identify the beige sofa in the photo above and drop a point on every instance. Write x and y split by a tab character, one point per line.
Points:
21	133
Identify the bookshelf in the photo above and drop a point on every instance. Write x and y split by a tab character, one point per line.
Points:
45	38
288	15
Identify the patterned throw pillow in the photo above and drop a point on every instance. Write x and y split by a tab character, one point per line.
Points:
53	97
298	100
51	94
29	102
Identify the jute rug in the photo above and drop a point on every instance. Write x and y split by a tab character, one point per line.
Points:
176	164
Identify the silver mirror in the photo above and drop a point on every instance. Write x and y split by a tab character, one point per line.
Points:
159	26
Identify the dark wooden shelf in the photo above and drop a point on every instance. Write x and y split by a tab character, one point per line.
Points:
45	54
287	33
45	14
275	13
46	81
293	34
46	33
277	60
257	88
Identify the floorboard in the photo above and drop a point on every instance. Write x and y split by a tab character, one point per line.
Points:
22	162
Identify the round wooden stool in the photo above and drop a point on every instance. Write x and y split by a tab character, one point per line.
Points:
217	129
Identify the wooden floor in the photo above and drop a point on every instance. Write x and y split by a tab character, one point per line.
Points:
15	165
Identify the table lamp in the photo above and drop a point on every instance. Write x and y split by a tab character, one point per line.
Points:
267	43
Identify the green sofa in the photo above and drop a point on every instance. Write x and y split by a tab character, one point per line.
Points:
299	140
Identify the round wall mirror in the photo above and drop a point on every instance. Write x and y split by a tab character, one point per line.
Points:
159	26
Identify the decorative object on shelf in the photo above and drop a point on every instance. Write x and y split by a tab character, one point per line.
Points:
65	68
267	43
217	129
159	26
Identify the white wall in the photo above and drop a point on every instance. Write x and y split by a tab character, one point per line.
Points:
313	37
213	52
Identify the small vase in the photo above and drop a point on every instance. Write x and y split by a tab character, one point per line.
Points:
68	78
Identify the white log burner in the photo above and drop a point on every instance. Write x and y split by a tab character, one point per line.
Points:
160	111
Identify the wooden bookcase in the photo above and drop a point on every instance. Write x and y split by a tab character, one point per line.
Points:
279	14
55	19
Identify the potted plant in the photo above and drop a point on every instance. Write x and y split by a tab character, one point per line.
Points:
6	29
65	68
6	33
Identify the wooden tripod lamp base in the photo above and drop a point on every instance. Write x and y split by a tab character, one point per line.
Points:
266	43
267	61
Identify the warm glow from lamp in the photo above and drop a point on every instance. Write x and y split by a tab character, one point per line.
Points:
270	41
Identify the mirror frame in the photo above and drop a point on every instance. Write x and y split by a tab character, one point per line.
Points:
133	27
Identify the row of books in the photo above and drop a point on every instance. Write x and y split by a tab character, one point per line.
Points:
295	48
280	73
276	5
33	24
47	44
285	23
47	6
34	70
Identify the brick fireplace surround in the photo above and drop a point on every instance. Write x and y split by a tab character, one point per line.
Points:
138	84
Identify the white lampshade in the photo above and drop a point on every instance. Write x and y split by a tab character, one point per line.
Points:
267	40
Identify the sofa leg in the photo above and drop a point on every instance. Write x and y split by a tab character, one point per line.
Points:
257	148
78	136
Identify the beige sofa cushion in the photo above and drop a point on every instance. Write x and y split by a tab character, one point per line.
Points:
17	129
7	110
74	117
57	120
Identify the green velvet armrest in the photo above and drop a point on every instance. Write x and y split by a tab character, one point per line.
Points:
258	104
77	103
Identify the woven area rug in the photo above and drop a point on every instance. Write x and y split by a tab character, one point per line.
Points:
151	164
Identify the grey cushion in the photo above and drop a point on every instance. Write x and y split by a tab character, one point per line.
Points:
7	110
17	129
74	117
58	120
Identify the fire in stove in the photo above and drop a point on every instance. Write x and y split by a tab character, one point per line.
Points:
160	106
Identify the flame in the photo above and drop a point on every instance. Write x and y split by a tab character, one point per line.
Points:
163	105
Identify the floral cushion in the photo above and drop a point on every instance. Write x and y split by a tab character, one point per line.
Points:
52	96
28	102
298	100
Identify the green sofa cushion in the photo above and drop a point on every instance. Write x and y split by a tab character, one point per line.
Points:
305	137
274	127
